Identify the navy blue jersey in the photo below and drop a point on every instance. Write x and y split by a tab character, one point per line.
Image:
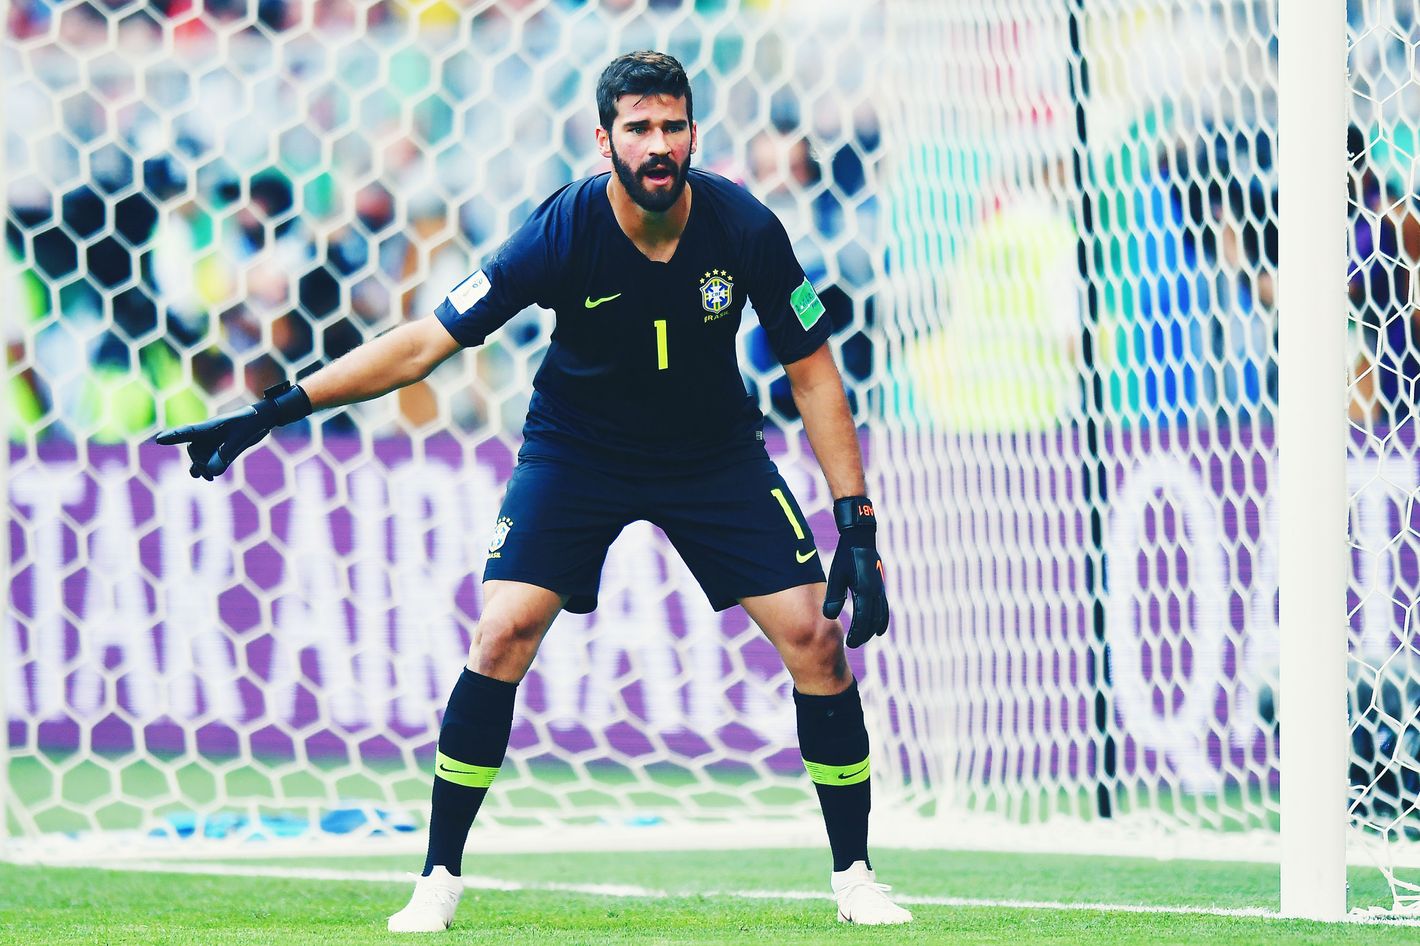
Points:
642	369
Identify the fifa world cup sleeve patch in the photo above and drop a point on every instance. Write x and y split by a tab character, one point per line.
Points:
806	304
467	293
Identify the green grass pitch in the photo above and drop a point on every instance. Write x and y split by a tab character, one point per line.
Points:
763	896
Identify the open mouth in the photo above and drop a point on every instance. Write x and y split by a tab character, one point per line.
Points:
659	175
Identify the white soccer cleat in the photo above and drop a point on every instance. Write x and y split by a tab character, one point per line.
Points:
861	899
432	907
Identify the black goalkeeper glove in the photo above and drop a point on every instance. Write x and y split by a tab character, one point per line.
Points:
214	443
857	568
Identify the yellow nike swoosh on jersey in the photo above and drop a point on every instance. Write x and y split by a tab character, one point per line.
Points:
593	303
805	556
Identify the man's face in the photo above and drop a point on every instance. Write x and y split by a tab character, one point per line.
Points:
650	145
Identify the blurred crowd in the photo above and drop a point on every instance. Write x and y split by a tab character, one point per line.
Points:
1196	339
1136	280
208	198
1384	144
1108	256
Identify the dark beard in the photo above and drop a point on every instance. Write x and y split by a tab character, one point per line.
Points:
655	202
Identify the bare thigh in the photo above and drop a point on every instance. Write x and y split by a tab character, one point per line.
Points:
515	619
810	644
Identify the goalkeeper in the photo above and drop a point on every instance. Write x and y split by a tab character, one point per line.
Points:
638	412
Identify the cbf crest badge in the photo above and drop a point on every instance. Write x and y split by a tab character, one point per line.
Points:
717	291
500	534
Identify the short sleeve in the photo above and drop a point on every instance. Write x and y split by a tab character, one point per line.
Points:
518	275
788	307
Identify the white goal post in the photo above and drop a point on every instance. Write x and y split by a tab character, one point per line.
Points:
1311	464
1049	235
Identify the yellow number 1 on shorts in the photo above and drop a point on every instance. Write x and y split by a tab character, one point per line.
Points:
778	494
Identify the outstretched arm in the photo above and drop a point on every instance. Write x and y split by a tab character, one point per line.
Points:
389	361
399	357
818	391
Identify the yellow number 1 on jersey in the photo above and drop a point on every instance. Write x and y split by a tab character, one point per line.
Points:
662	360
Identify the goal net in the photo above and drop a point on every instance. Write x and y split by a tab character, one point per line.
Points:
1079	396
1046	234
207	197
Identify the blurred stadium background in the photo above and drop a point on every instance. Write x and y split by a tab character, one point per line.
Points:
1046	233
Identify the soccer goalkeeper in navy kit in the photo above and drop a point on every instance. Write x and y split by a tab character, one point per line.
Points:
638	412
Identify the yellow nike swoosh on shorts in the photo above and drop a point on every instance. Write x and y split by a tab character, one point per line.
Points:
593	303
805	556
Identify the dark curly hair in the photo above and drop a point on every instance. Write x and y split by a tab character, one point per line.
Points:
646	72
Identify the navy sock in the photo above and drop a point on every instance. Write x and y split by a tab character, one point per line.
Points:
472	743
834	744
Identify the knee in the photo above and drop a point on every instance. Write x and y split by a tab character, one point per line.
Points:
503	648
816	644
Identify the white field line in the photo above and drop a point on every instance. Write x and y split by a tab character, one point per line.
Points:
627	890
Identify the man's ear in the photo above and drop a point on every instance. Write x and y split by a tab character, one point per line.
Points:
694	137
604	141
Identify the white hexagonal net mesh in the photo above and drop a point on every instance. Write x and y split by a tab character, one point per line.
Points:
1384	247
205	198
1046	233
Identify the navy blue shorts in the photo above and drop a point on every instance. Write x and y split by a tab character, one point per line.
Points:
739	528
